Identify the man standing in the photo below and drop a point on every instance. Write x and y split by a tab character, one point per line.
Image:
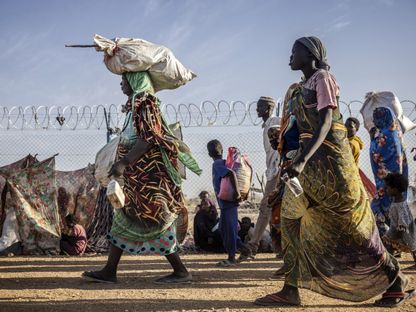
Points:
265	108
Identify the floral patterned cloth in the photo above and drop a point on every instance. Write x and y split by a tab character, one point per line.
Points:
77	194
7	171
33	196
387	155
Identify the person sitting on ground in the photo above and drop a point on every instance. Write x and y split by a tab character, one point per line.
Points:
205	201
207	236
401	234
245	226
247	230
229	209
74	237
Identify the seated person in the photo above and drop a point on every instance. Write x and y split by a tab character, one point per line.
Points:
245	226
205	201
247	231
74	237
207	236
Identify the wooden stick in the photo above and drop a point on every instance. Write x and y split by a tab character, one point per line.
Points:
81	46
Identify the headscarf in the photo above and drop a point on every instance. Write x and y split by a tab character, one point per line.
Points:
140	82
315	46
383	118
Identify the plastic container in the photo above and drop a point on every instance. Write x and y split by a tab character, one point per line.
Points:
115	194
293	184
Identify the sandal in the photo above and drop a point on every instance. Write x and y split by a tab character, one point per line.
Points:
93	276
275	300
394	299
174	280
226	264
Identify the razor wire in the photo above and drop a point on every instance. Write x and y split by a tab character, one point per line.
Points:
206	114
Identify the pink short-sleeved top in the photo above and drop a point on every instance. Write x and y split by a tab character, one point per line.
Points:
324	85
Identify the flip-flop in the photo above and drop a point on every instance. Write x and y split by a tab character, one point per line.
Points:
394	299
225	264
172	280
92	276
275	300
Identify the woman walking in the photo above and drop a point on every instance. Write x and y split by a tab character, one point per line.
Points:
154	214
387	155
330	241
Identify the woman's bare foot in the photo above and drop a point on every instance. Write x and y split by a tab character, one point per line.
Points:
102	276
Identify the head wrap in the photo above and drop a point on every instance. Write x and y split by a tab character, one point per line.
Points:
383	118
140	82
315	46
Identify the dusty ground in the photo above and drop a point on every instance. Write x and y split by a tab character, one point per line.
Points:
54	284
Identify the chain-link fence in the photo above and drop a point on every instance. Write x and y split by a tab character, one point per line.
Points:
77	133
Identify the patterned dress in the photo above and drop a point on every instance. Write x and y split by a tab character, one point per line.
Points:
387	156
330	239
154	216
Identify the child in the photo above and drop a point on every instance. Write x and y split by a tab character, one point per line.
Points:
229	209
402	232
74	240
353	125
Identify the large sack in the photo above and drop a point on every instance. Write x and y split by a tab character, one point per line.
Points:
104	159
177	132
384	99
123	55
241	166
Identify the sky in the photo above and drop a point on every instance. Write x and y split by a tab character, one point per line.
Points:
239	49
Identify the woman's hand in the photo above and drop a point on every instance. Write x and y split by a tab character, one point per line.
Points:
117	169
295	169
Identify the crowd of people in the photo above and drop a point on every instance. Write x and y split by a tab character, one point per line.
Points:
336	238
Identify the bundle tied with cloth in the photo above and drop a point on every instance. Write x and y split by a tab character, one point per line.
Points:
389	100
123	55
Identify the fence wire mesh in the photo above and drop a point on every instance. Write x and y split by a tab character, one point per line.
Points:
77	133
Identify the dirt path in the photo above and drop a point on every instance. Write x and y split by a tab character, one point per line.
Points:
54	284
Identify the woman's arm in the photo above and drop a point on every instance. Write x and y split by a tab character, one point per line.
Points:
138	150
325	122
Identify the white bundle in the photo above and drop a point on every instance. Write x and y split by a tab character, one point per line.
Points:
384	99
123	55
104	160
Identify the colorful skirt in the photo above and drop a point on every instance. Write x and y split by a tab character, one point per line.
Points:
163	245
